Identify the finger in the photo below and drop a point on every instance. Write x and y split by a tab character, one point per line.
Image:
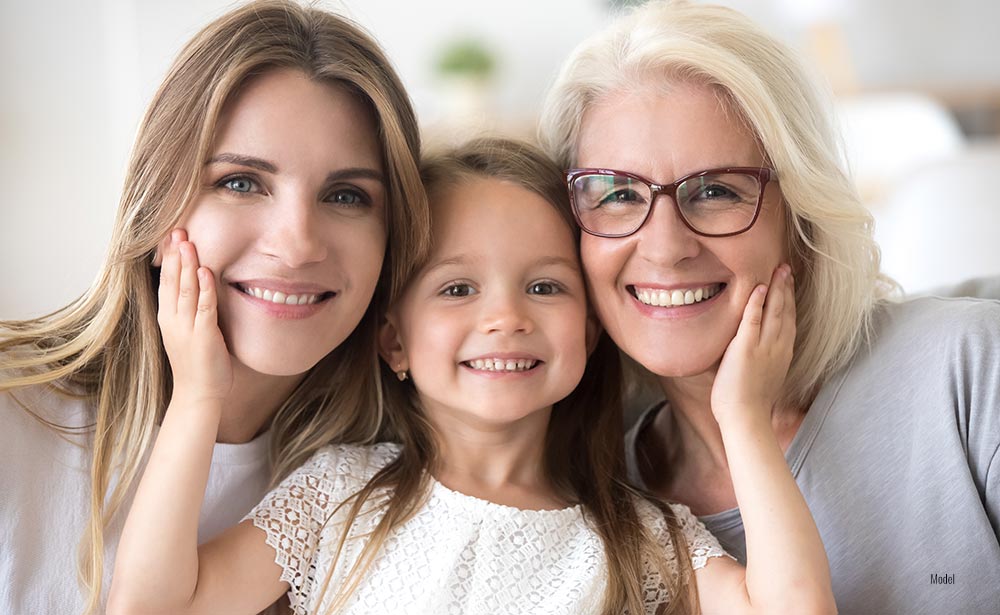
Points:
169	274
207	315
187	287
752	316
774	304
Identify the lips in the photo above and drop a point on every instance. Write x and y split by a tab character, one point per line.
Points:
284	294
675	297
491	364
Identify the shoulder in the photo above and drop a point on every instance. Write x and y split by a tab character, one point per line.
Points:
937	329
346	467
699	543
46	403
939	316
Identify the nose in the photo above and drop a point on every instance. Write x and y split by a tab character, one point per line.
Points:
505	314
293	233
664	238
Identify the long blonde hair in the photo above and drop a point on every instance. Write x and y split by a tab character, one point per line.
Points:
106	345
835	259
584	445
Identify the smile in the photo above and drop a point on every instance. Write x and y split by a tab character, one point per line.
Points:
281	298
677	296
501	365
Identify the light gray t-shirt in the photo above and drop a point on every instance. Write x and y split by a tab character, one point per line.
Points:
898	460
45	498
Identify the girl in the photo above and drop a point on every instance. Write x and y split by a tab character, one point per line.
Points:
504	492
283	143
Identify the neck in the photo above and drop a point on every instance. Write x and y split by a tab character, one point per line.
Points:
499	462
254	400
698	438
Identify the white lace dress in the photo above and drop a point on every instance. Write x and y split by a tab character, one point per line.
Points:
457	555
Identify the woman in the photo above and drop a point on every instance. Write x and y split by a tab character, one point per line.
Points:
282	147
889	418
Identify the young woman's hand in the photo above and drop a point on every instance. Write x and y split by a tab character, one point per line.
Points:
754	366
200	362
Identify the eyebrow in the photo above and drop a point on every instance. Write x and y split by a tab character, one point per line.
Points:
269	167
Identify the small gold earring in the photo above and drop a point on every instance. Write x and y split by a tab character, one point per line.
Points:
401	373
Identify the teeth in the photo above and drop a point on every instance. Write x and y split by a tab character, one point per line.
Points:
679	296
276	296
502	365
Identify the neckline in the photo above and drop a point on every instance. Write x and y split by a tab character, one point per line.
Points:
796	452
478	505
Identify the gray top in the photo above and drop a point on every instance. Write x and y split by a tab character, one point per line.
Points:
898	461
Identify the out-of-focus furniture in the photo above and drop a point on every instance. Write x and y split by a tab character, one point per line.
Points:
889	135
941	223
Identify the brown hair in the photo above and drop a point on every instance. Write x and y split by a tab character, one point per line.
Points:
584	448
106	345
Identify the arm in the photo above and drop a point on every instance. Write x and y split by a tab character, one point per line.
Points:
787	569
158	566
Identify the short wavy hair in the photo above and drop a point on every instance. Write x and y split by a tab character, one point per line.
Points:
834	257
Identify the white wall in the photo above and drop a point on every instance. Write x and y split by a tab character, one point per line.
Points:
75	77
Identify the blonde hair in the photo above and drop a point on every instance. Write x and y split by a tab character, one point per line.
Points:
584	445
106	345
835	259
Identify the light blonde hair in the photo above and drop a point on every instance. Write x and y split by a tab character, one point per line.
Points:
834	258
584	445
106	346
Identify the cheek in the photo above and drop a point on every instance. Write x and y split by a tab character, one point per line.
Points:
360	249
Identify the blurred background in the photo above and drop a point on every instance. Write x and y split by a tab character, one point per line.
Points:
917	85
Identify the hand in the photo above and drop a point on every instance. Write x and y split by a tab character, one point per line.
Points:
188	319
755	364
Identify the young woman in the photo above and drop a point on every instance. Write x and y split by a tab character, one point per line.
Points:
505	492
720	161
282	143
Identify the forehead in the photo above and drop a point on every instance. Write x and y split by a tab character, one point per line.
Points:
283	112
666	132
497	217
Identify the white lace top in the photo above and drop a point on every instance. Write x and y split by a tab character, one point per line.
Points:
457	555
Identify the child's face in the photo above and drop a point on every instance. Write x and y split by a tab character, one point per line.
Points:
495	326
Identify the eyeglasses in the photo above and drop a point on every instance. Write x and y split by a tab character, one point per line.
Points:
712	203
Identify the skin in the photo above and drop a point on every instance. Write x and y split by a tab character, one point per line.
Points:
503	279
668	136
726	447
304	214
473	302
293	200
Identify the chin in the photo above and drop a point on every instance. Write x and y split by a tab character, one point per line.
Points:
279	363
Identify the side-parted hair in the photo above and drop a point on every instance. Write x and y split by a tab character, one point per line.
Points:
106	348
833	256
584	446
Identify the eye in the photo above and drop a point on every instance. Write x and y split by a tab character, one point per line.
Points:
240	184
349	197
458	289
625	196
715	191
544	287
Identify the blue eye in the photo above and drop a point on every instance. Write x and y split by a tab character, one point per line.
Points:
349	197
241	185
458	289
544	288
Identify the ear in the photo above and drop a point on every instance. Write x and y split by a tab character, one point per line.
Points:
594	330
390	345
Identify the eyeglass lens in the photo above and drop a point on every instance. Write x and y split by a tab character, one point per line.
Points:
714	204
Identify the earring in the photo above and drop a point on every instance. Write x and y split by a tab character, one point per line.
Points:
401	373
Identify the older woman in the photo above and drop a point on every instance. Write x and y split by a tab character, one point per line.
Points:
890	419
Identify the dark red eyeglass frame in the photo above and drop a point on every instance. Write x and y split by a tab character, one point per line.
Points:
763	175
